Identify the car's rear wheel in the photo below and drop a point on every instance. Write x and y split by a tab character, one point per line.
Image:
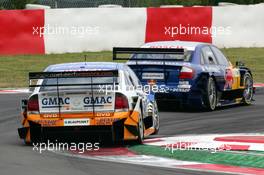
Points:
27	142
210	94
156	118
248	91
35	132
140	129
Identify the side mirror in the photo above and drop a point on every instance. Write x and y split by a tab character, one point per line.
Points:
240	64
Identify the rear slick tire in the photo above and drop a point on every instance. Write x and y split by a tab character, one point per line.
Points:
140	130
248	91
210	95
157	118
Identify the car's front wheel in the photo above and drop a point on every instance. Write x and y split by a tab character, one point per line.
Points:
210	94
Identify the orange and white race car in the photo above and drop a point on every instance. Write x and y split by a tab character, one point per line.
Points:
82	99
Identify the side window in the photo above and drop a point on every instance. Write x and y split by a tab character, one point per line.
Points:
134	77
131	80
127	79
209	57
220	56
202	59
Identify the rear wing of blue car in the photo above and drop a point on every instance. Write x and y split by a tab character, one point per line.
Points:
142	57
126	53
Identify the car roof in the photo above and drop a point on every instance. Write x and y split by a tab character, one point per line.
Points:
189	45
85	66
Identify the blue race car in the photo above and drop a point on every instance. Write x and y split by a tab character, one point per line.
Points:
191	73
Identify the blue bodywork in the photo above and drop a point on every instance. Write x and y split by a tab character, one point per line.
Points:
193	95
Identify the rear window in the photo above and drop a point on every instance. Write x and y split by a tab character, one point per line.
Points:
187	57
77	83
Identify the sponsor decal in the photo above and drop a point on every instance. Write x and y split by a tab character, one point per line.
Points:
67	74
157	76
97	100
172	47
76	122
75	103
184	86
46	122
212	69
184	82
181	90
54	101
152	62
103	114
50	115
166	47
105	121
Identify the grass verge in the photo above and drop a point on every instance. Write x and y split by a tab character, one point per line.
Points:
225	157
14	69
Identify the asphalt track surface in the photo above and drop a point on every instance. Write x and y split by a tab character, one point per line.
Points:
16	158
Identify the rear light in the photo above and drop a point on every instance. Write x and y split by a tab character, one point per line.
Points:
186	73
121	102
33	104
152	82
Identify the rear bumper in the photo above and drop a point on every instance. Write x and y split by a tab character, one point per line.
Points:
38	128
71	131
192	97
39	133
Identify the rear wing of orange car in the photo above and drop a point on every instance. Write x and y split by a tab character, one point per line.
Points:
56	86
72	74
